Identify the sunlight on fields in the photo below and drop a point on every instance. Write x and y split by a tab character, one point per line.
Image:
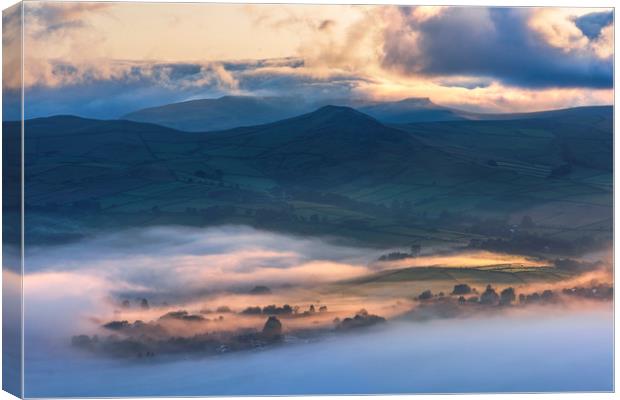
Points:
467	260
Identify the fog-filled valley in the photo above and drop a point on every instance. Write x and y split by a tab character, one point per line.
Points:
187	308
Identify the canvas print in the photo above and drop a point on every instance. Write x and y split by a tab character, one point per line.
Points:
206	199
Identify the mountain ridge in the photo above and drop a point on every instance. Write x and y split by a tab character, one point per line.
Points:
233	111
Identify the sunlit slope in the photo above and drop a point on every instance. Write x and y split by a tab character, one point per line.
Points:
498	274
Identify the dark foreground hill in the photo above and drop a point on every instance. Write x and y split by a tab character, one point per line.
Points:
335	171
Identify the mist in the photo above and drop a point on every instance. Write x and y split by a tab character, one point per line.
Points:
78	288
565	351
178	262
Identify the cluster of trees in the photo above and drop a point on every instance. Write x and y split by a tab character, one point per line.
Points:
283	310
533	298
182	315
136	342
490	296
415	250
395	256
361	319
597	292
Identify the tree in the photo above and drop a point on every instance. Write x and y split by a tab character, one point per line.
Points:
425	295
461	288
272	329
489	296
415	250
144	304
547	295
507	296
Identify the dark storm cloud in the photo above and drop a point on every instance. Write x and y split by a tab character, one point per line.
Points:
495	43
592	24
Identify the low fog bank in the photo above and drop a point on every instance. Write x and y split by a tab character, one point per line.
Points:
178	263
568	350
169	283
161	299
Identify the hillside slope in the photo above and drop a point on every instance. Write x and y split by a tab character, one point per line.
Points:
333	171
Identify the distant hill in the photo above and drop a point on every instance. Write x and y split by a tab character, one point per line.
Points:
574	114
411	110
235	111
221	113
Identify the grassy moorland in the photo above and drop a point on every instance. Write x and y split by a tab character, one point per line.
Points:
541	184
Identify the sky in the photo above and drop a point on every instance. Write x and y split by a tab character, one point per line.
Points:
104	60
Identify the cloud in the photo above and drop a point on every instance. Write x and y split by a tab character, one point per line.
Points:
107	61
115	88
498	43
592	24
124	86
59	19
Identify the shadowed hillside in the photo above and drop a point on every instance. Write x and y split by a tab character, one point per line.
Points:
335	171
